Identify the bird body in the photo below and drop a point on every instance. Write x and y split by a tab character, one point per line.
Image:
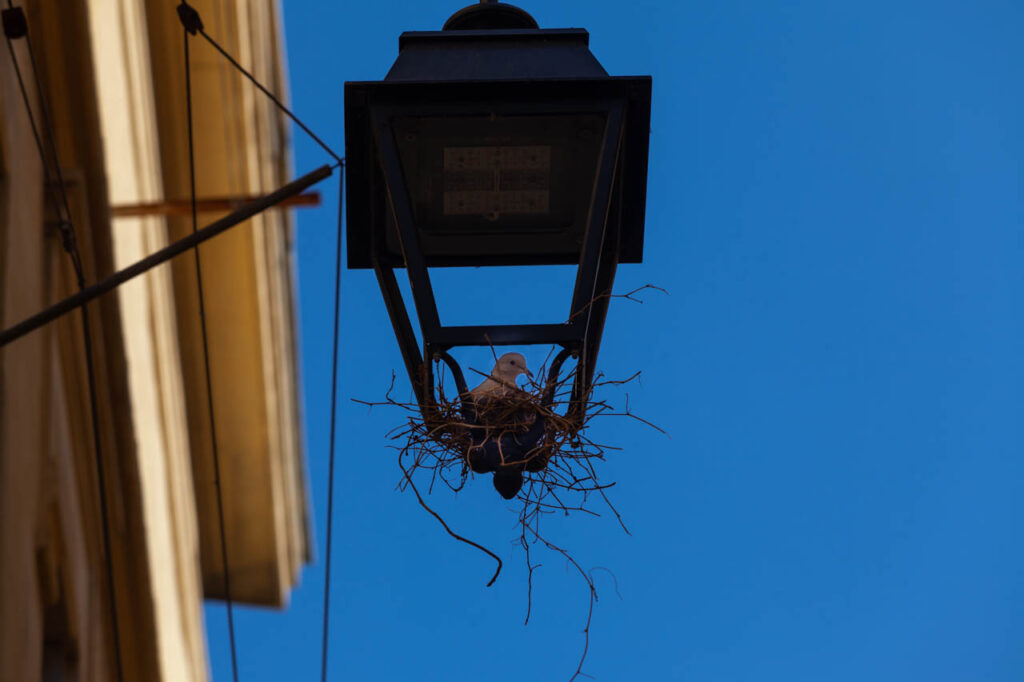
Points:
502	381
496	394
504	418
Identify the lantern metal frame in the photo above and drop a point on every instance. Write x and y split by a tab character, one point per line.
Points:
380	199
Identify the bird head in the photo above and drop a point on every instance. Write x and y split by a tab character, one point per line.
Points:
510	366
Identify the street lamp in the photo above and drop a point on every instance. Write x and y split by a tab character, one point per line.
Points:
495	142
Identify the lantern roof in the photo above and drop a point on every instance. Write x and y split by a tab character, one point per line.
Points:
492	62
489	14
497	54
494	41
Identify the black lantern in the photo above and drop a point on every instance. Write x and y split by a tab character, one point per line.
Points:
495	142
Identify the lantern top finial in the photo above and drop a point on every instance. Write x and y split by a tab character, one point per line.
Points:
489	15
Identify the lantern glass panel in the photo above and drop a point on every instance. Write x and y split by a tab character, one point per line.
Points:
475	182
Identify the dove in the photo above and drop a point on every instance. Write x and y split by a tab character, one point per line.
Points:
502	381
493	441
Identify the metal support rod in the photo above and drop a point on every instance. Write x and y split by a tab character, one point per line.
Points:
405	221
165	254
507	335
407	342
597	219
598	310
457	375
552	384
207	205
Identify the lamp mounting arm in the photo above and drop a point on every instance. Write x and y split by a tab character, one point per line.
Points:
163	255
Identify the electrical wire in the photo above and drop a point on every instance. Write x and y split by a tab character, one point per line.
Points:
206	364
334	403
69	242
273	98
36	135
193	24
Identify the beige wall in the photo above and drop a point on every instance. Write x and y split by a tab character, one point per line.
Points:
112	74
120	50
51	553
248	287
22	395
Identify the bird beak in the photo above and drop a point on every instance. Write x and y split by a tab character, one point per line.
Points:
528	372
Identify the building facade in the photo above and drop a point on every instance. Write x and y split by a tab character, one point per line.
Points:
112	80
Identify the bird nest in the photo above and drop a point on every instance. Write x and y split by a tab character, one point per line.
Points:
535	442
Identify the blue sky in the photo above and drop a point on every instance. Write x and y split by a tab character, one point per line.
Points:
835	207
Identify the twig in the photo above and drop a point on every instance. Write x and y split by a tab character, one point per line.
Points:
450	531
